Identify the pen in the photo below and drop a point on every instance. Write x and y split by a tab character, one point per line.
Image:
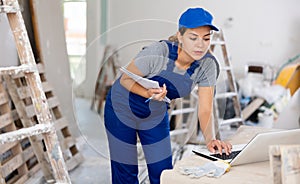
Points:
150	98
205	156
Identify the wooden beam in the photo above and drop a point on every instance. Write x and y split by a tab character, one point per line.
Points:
39	100
285	164
25	132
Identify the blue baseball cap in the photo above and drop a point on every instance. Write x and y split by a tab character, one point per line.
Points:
196	17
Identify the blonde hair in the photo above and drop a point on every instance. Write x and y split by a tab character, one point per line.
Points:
174	38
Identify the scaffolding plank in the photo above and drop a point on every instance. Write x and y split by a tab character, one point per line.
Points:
17	161
5	120
74	161
5	147
24	91
52	102
60	123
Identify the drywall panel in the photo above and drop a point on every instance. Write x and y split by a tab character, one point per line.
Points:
51	38
8	52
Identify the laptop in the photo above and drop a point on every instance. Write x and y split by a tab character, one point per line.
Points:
257	150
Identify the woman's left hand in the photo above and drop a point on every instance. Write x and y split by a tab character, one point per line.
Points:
160	96
217	145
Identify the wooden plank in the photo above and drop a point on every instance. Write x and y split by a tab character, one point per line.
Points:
16	162
275	163
5	147
24	91
25	132
39	100
36	178
40	68
15	115
27	176
67	142
52	102
3	98
22	179
15	70
253	106
60	123
290	164
285	164
27	122
6	119
74	161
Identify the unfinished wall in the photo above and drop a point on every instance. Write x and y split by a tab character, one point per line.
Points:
260	31
94	50
51	35
256	31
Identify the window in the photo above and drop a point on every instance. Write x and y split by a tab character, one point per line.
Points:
75	31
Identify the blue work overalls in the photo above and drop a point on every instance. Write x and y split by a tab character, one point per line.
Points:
127	115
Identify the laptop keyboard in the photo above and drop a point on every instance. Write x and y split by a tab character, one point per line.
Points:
226	157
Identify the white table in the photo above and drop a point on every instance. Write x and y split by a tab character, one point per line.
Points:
255	173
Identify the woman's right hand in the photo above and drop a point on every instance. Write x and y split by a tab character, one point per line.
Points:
158	94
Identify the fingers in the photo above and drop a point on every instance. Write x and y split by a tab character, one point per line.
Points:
164	91
211	146
217	145
211	149
227	147
153	91
160	93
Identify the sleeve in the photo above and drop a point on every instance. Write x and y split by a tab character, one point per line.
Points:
148	59
209	72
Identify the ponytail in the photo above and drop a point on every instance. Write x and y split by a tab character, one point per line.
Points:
174	38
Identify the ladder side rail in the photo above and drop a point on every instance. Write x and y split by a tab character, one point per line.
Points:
232	84
38	97
219	39
26	122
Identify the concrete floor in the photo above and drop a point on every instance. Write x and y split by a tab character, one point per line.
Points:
92	143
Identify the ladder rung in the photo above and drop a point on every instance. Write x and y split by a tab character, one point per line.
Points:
217	43
182	111
225	68
8	9
14	70
178	131
25	132
229	121
226	95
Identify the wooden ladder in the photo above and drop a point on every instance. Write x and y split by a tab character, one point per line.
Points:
108	64
29	68
219	40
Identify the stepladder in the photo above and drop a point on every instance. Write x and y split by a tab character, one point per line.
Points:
107	74
229	93
28	67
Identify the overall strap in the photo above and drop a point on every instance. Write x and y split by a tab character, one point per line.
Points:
173	48
192	68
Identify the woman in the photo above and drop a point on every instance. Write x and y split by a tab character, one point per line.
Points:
177	66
